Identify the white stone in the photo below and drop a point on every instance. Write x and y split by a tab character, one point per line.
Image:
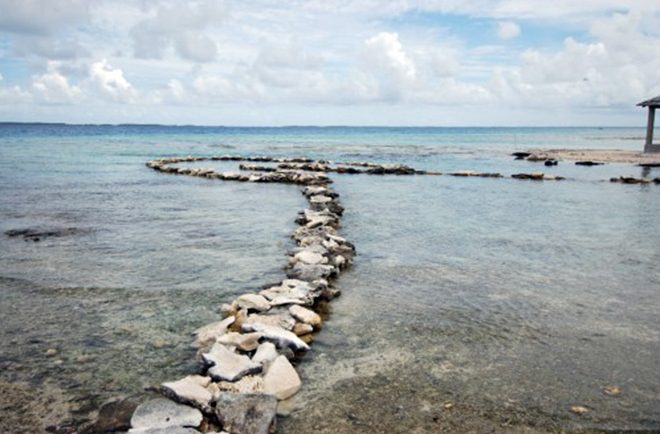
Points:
281	337
247	384
310	257
209	333
266	353
305	315
163	413
243	341
283	320
281	380
227	365
191	389
253	301
320	199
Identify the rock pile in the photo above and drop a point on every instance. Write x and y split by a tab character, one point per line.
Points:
246	356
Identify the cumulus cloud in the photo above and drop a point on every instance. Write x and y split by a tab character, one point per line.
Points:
53	87
619	69
110	82
508	30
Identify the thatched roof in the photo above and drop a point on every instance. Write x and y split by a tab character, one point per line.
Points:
653	102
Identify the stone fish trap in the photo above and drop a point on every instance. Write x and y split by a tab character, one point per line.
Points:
246	355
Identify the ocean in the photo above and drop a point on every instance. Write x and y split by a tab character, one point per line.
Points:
473	304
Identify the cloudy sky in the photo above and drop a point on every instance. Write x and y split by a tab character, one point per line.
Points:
329	62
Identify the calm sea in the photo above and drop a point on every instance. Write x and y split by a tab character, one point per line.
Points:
473	304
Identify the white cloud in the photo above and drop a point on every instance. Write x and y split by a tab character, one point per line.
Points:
179	25
508	30
53	87
110	82
385	52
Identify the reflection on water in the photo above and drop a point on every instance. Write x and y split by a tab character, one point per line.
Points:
473	305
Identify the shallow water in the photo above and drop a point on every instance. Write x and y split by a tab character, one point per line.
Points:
511	300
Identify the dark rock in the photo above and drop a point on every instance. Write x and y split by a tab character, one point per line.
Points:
521	155
649	164
551	162
36	234
113	416
246	413
588	163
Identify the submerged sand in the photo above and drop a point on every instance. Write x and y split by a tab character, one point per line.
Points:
600	155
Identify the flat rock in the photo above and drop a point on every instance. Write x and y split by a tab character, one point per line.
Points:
310	272
246	413
305	315
282	338
310	257
189	390
266	353
242	341
247	384
283	320
253	301
227	365
209	333
163	413
281	380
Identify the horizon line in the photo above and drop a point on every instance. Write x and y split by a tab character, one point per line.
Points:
124	124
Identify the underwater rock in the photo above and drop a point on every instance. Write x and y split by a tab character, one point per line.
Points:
113	416
227	365
246	413
37	234
281	379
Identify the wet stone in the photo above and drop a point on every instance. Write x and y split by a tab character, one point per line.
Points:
305	315
189	390
242	341
266	353
279	336
253	301
281	379
209	333
163	413
228	366
246	413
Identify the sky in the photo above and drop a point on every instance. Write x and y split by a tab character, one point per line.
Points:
332	62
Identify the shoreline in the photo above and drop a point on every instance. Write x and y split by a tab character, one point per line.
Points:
598	155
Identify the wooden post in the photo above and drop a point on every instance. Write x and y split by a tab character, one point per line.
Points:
648	147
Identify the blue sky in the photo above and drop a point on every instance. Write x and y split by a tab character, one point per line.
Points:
342	62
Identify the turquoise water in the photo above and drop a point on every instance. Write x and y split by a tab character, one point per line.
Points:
512	300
